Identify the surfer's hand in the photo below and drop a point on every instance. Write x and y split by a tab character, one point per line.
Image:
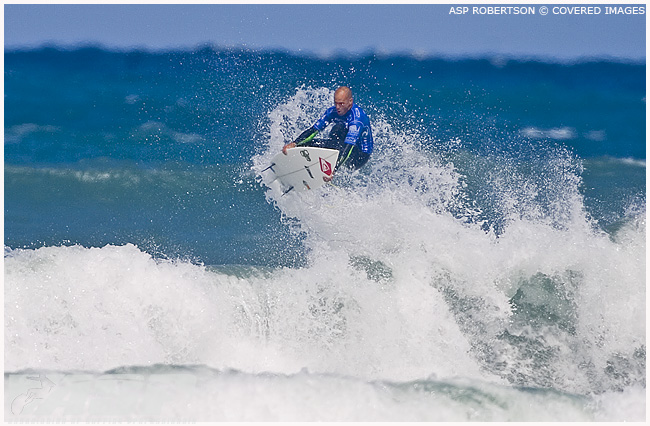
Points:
328	178
287	146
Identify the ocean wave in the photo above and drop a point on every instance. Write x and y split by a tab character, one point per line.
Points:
464	249
633	162
557	133
153	131
614	162
117	176
410	275
199	393
16	133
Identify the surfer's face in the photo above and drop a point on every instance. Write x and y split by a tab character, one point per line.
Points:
343	103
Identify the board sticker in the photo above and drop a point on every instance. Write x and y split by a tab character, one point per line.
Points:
325	166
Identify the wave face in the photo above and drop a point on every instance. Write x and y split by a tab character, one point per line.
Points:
490	256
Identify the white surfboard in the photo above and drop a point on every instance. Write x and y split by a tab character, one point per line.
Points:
303	168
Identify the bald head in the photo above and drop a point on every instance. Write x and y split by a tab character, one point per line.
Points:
343	91
343	100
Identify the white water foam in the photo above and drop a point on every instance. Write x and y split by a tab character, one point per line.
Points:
98	308
199	394
396	212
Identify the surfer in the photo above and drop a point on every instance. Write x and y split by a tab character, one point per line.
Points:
351	134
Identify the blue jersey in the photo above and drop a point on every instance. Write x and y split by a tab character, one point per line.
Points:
357	122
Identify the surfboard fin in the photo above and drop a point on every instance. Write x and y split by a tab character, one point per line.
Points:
270	167
287	191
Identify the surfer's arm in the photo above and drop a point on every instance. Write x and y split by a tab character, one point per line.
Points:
304	139
306	136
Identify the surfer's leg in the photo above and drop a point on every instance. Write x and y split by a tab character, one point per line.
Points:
361	159
336	138
357	159
320	143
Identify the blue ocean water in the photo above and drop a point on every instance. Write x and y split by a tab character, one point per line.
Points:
490	256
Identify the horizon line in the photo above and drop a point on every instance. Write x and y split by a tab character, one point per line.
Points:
327	53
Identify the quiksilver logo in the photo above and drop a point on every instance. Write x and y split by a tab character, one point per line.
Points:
325	167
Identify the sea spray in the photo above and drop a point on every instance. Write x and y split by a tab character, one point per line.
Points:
531	282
